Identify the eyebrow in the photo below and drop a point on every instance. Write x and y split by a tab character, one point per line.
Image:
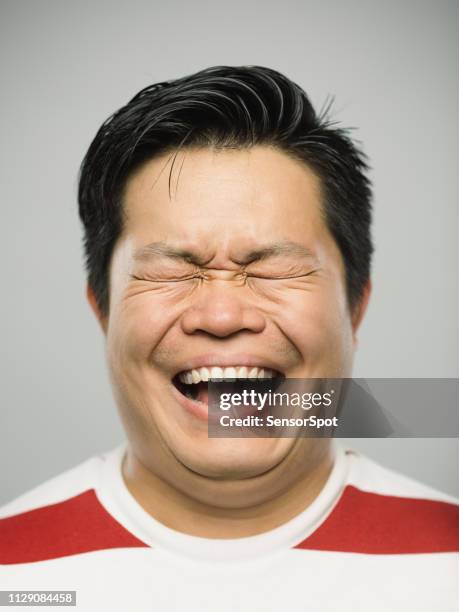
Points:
285	247
163	249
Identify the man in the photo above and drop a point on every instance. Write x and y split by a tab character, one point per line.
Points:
227	235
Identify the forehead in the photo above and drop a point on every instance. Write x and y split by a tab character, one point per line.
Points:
233	199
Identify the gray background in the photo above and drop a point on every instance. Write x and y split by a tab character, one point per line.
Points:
65	66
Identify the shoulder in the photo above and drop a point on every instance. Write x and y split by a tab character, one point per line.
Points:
61	517
57	489
381	511
370	476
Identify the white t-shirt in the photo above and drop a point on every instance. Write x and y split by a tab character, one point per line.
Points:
373	540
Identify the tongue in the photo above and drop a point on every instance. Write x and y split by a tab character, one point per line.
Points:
203	393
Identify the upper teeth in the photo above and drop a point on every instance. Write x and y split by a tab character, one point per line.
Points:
203	374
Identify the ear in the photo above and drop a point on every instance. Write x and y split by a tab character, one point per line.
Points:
102	319
360	309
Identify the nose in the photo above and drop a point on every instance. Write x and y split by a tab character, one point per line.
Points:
221	310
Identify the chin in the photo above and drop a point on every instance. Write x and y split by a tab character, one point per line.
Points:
236	458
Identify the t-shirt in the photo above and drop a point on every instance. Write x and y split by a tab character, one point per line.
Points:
372	540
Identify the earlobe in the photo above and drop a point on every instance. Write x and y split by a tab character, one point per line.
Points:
360	309
102	319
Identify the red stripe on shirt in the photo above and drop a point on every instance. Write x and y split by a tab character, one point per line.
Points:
71	527
371	523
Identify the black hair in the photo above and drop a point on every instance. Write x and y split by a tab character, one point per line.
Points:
220	107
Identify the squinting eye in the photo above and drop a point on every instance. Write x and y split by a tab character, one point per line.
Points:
165	280
280	277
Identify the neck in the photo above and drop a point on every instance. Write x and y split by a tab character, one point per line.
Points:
181	512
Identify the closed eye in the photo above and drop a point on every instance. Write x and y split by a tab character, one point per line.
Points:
165	280
201	276
286	277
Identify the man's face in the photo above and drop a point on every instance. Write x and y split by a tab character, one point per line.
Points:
228	263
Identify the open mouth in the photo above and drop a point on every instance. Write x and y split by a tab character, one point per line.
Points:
194	384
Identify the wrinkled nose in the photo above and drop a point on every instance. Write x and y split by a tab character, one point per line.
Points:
221	309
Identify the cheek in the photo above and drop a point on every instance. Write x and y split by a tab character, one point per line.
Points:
137	325
317	323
